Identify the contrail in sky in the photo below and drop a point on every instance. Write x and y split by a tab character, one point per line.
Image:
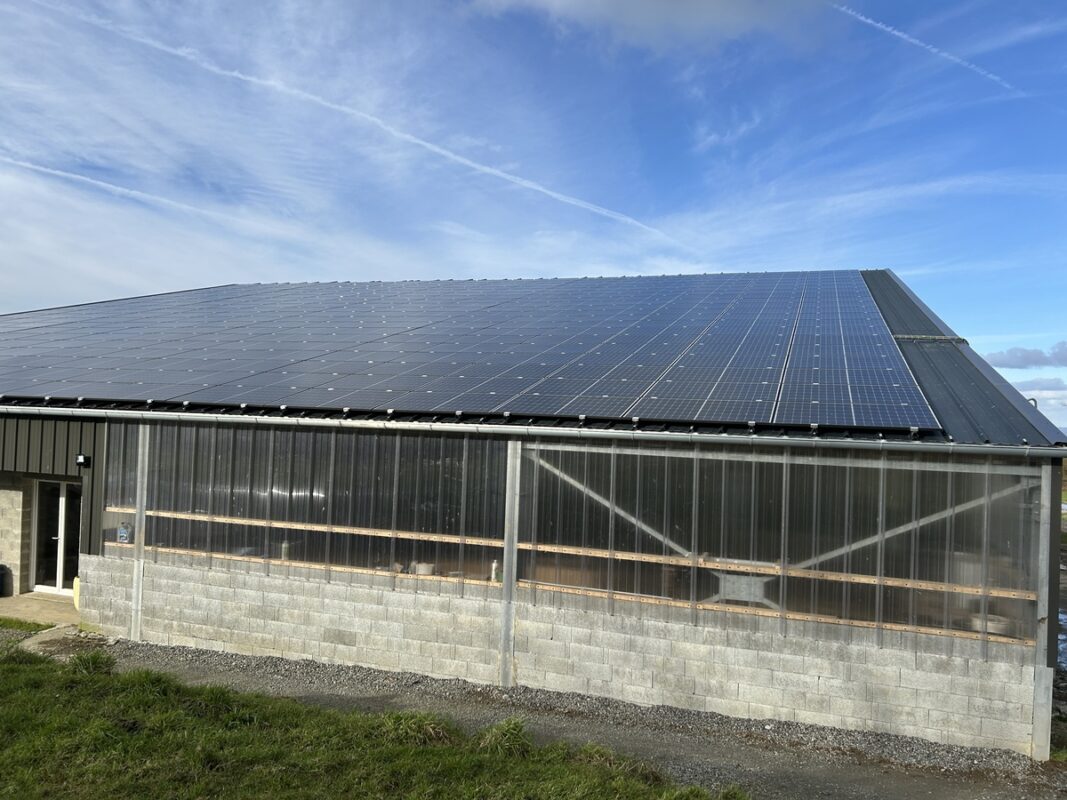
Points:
121	191
977	70
194	57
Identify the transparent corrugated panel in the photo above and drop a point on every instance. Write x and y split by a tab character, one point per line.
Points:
965	562
121	478
768	496
863	536
738	508
802	531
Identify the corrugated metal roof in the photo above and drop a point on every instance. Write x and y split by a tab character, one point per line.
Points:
973	402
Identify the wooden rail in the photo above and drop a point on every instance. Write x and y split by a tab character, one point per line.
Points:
703	562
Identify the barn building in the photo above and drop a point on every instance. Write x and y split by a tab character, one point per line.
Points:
798	496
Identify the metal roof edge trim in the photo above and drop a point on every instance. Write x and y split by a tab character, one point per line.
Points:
946	448
1031	414
925	309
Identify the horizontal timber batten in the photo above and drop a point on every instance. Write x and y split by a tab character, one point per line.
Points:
767	612
743	567
313	527
775	571
183	551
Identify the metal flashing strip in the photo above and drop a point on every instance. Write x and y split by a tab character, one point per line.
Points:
533	431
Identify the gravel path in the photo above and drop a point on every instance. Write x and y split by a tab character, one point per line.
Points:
770	759
8	636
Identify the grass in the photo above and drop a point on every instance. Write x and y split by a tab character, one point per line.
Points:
12	624
1059	739
81	730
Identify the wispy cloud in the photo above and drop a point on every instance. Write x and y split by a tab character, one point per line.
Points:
707	139
121	191
663	25
929	48
1026	357
192	56
1014	36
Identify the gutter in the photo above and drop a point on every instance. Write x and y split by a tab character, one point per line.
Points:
526	431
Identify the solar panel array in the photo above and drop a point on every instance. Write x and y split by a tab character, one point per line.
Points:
791	348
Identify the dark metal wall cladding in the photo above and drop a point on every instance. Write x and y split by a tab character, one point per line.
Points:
46	448
972	401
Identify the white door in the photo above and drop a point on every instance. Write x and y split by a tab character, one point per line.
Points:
57	514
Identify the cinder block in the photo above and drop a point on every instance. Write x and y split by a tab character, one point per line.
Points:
941	665
875	674
816	718
795	682
899	716
856	709
959	723
1002	729
1000	673
999	711
760	694
942	701
891	695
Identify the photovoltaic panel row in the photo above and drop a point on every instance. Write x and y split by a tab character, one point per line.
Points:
769	347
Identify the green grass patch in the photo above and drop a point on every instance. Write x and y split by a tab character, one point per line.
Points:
22	625
81	730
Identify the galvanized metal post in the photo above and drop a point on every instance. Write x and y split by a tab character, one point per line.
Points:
1041	737
139	531
512	499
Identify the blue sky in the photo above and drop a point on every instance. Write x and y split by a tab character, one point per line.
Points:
154	146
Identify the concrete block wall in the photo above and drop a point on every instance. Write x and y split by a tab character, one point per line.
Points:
443	630
16	540
758	673
931	687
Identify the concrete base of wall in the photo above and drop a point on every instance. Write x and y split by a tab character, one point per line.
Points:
454	631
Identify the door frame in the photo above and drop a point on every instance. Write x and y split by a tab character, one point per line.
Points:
62	540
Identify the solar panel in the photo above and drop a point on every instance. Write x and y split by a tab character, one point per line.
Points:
788	348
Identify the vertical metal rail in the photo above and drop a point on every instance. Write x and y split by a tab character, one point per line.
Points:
533	532
879	597
783	545
695	531
393	514
846	599
816	488
272	434
611	530
1044	649
986	520
137	594
330	521
209	539
913	566
512	500
463	516
950	543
